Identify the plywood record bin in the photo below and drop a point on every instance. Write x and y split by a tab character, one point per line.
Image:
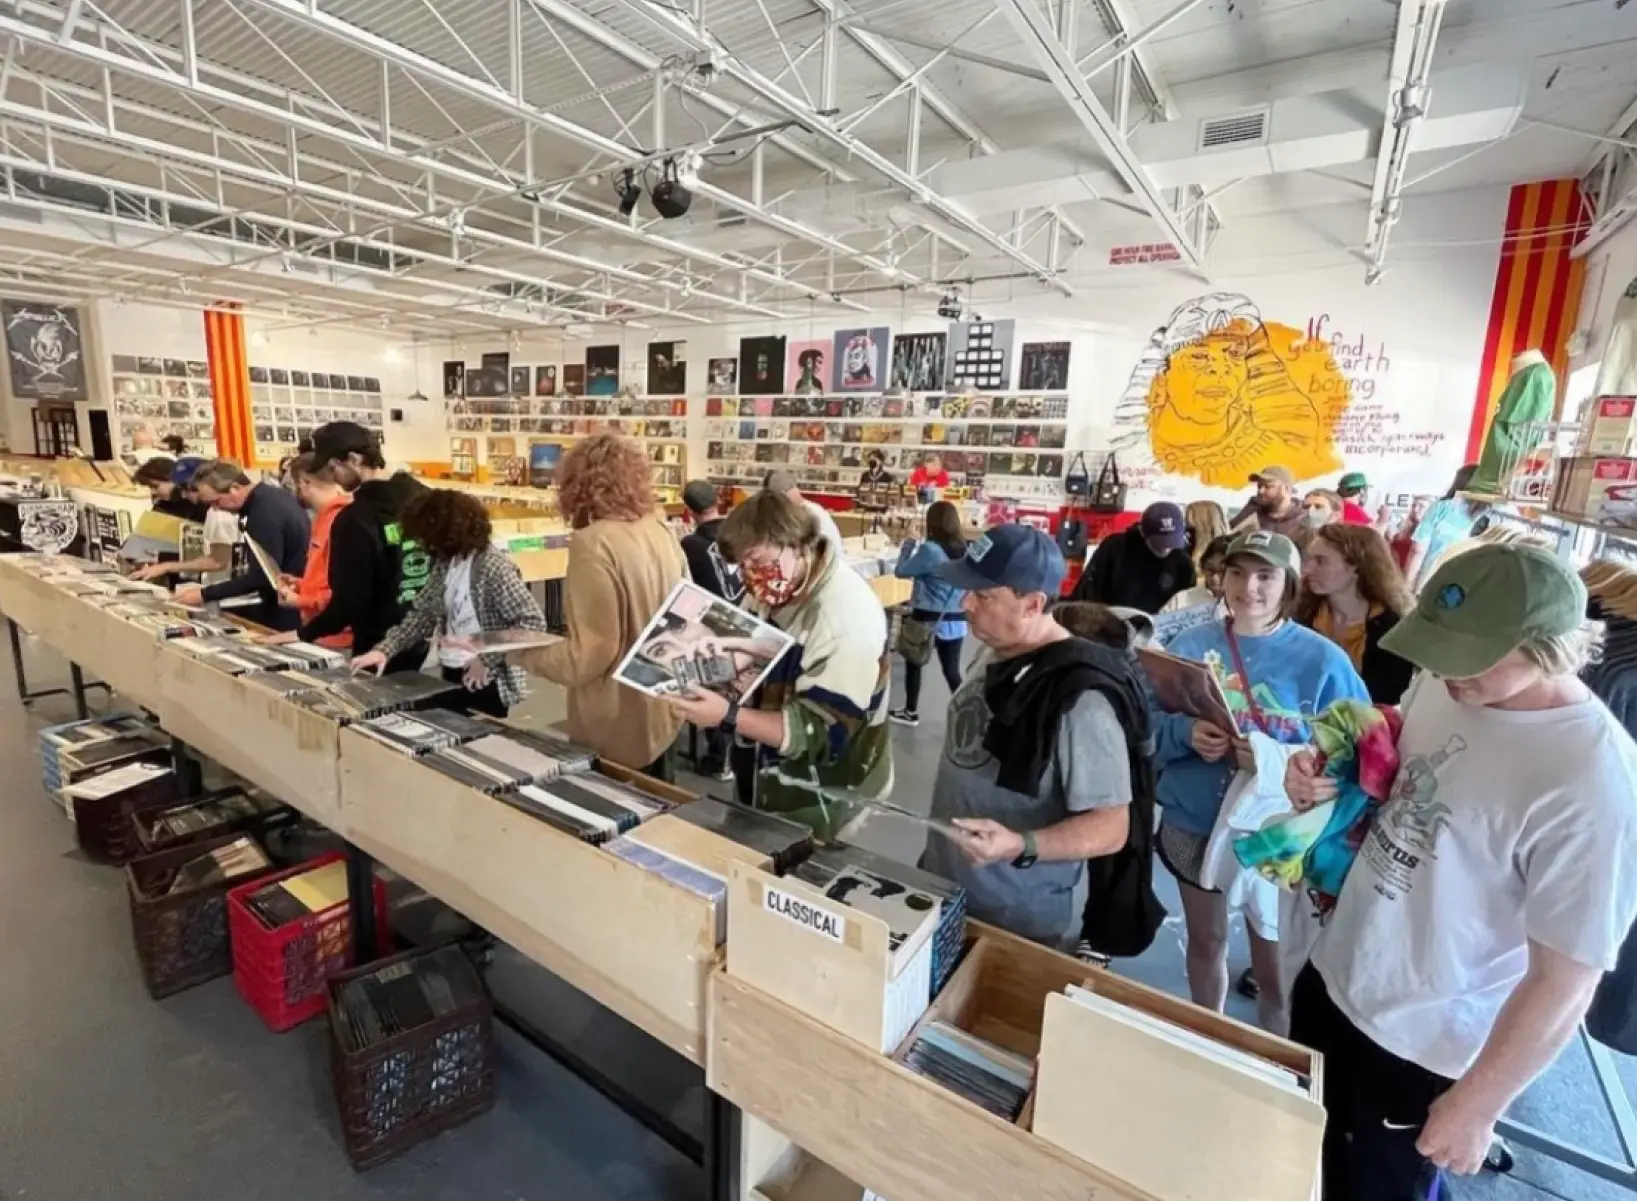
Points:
1136	1095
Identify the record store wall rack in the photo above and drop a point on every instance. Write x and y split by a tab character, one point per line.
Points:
1004	442
169	396
789	1017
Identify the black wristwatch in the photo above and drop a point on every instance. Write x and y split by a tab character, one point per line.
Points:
730	719
1028	856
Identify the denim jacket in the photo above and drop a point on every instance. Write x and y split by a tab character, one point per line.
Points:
918	561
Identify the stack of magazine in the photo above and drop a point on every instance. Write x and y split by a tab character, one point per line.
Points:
784	842
404	995
988	1075
57	739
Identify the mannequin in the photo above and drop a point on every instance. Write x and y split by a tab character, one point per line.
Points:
1530	397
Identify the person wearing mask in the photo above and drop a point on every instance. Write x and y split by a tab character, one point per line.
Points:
1143	566
1322	507
819	722
376	570
473	588
1449	520
1275	675
272	519
622	564
1034	772
713	573
324	499
875	473
1354	490
1206	523
929	477
936	624
1353	594
1492	891
784	483
1275	507
143	450
706	567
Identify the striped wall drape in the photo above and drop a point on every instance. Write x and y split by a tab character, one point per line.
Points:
230	385
1537	291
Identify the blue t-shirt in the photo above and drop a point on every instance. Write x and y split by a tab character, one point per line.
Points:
1446	523
1295	675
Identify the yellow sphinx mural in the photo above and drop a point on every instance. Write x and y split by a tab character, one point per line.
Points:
1221	394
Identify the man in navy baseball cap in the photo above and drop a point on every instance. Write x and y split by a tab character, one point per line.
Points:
1143	566
1018	557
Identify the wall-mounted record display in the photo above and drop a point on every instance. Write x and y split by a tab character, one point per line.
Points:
761	366
859	358
454	378
602	370
918	362
574	379
545	380
724	375
1043	365
980	355
667	368
521	381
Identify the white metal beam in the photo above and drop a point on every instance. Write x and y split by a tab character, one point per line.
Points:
1041	39
1410	63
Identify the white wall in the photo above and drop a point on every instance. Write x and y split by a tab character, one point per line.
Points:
1421	330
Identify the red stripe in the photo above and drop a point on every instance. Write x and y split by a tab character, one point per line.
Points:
1533	248
1560	244
1497	319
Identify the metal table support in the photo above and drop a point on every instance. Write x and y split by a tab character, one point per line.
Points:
24	695
1622	1172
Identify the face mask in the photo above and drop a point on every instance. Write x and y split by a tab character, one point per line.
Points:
771	583
1317	517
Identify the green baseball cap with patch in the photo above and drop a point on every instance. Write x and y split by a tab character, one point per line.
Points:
1273	549
1482	604
1353	481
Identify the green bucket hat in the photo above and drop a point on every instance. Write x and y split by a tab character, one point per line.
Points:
1482	604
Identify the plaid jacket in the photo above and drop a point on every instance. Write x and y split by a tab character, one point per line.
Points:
502	601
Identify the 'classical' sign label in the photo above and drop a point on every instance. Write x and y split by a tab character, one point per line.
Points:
820	921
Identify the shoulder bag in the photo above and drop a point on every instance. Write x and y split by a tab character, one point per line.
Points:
1108	496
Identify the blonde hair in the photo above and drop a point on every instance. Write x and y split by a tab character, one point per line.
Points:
1206	522
1566	654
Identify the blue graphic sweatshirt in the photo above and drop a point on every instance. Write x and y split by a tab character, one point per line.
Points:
1295	674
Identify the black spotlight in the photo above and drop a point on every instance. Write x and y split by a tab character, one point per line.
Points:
625	187
671	199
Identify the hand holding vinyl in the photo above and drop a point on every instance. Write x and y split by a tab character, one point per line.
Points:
369	661
703	708
191	595
477	675
984	842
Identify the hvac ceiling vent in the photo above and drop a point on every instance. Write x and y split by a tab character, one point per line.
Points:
1241	129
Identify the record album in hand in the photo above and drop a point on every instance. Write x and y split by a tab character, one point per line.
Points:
698	641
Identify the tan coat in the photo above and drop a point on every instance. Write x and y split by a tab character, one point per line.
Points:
619	573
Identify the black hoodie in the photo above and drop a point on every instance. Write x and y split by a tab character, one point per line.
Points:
375	573
1123	571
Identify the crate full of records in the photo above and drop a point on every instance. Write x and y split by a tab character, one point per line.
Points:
412	1050
231	810
54	740
178	901
105	805
291	932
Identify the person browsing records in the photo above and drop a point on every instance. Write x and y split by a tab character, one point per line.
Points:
1353	594
1034	775
324	499
706	566
170	485
1275	675
272	519
1492	891
1141	567
936	624
376	571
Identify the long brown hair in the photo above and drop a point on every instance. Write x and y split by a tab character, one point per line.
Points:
1366	552
943	526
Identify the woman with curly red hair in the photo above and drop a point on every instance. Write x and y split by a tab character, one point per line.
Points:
622	564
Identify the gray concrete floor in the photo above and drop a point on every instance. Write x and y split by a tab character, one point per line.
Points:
105	1093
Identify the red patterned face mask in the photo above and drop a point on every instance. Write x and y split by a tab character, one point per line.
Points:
774	584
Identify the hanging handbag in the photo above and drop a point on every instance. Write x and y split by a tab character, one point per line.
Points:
1077	482
1072	539
915	640
1108	496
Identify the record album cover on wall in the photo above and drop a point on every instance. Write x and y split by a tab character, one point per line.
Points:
724	375
918	362
698	641
545	380
574	379
667	368
602	370
1043	366
520	381
804	371
860	358
980	355
761	366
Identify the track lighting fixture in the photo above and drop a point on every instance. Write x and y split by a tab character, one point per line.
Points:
671	198
625	187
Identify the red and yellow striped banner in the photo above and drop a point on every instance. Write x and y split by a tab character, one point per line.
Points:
1537	291
230	385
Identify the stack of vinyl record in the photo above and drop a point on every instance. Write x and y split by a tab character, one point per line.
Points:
476	770
306	654
826	863
370	696
784	842
459	726
528	755
191	820
410	735
296	897
404	995
592	808
573	756
241	857
984	1073
679	872
56	739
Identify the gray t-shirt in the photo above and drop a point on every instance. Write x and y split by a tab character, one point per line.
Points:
1088	771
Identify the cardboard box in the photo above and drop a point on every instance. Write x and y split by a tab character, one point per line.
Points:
1598	488
1609	426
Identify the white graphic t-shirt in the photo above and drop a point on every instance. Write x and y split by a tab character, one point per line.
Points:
1502	827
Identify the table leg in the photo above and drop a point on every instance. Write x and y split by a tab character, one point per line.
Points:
723	1127
190	780
361	904
80	708
17	660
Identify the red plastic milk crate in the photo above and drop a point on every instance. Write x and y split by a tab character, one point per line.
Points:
283	973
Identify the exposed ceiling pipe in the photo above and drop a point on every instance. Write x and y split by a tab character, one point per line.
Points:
1407	98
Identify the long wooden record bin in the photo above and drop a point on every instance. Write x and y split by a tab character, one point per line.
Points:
828	1117
635	942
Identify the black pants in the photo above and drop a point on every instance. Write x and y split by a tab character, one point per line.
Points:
663	768
467	700
949	659
715	755
1375	1105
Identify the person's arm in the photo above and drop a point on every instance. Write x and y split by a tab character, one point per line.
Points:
424	619
351	577
1534	1025
919	560
509	603
591	650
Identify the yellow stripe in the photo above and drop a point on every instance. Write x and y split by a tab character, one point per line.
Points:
1551	261
1514	299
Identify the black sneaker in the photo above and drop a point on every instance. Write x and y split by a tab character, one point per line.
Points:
1246	985
905	717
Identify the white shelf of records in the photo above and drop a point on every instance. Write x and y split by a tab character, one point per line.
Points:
169	396
287	405
660	422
